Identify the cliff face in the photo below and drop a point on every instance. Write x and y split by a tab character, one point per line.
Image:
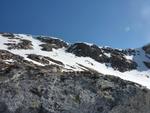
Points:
27	89
116	58
147	48
47	75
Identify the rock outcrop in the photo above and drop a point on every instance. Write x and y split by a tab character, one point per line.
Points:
44	59
51	43
116	57
31	90
147	48
23	44
147	64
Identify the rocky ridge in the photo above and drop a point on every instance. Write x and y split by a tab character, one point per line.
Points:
47	75
116	57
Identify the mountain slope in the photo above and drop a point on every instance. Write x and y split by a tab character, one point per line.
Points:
32	90
41	74
129	64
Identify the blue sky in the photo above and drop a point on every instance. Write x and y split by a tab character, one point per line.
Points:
116	23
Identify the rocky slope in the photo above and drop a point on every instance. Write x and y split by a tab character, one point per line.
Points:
115	58
40	74
30	89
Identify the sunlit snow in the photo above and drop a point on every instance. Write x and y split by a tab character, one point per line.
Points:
141	75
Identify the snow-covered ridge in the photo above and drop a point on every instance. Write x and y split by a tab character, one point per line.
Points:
72	62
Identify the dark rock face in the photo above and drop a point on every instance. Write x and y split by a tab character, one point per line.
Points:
48	47
118	62
10	35
43	59
23	44
51	43
36	91
147	49
7	59
116	59
147	64
81	49
6	55
38	58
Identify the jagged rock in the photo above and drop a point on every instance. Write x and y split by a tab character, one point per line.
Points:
38	58
6	55
116	58
93	51
10	35
51	43
23	44
120	63
147	49
7	59
49	47
147	64
82	49
43	59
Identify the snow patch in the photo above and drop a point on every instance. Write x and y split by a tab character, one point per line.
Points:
71	62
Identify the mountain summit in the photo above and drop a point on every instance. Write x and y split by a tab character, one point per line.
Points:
42	74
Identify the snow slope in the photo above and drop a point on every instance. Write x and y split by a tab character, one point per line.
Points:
73	63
